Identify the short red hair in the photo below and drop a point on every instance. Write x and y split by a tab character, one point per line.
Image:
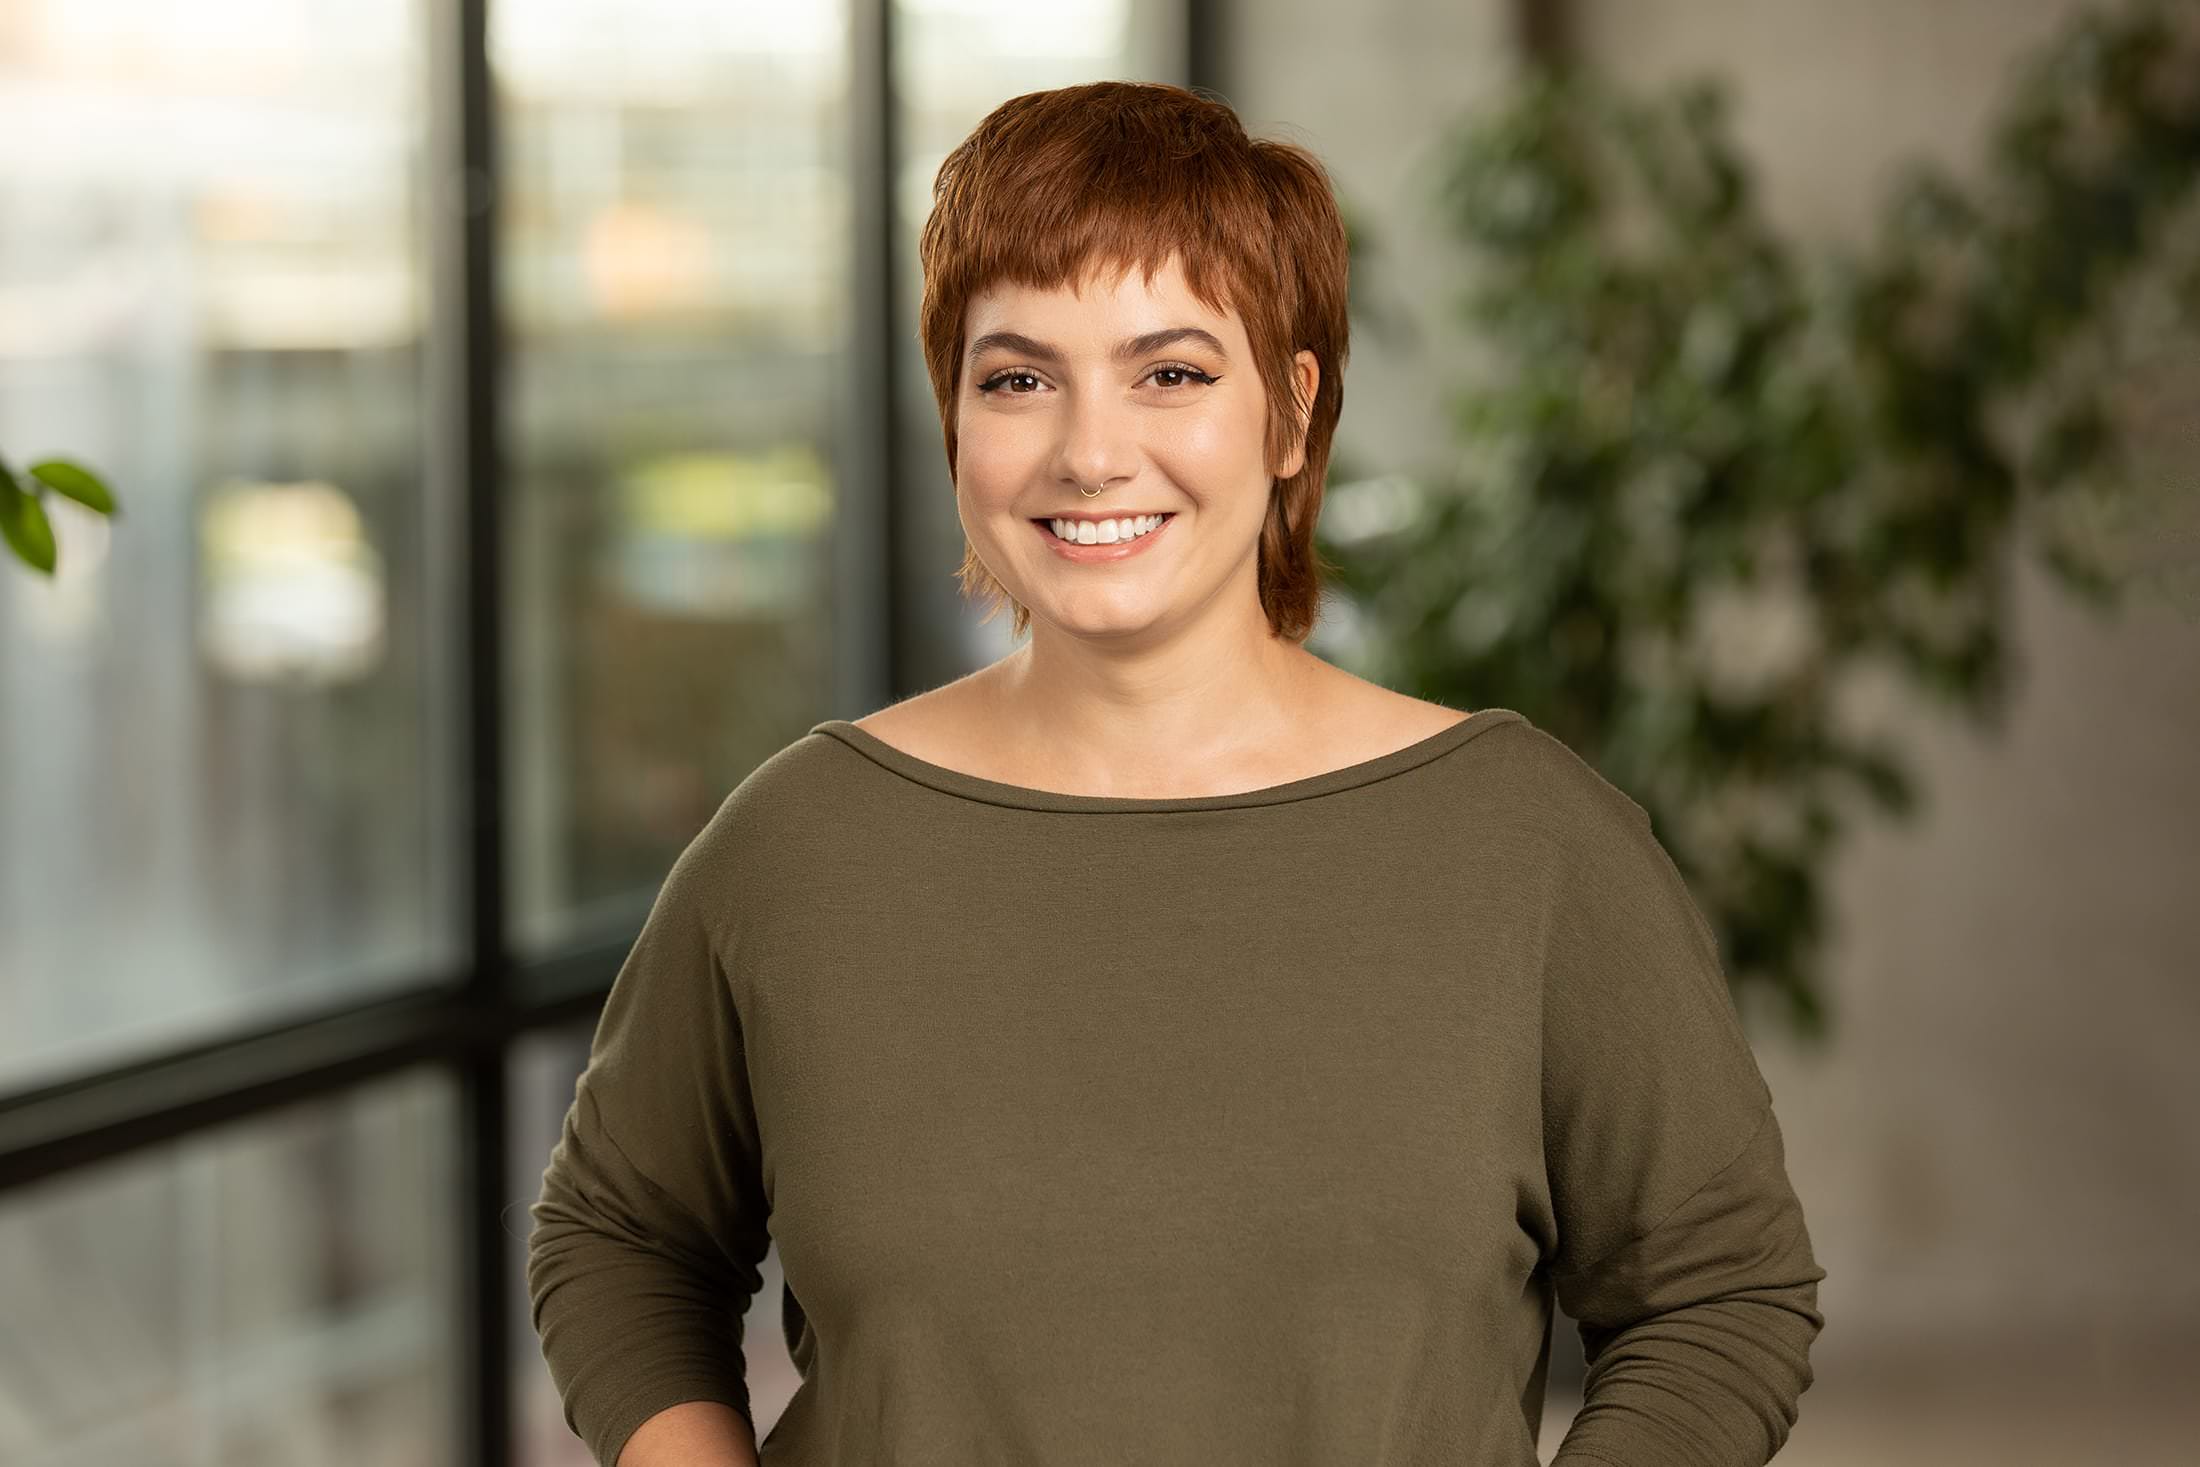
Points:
1054	185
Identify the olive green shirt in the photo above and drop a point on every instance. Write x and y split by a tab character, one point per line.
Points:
1256	1128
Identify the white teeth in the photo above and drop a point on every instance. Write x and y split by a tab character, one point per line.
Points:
1105	532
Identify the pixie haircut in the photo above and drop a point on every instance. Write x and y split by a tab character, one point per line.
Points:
1056	187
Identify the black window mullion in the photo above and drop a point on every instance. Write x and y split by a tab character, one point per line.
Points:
484	1262
1206	36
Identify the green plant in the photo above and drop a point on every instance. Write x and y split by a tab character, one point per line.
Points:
1695	432
23	520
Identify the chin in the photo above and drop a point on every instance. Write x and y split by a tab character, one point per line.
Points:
1099	623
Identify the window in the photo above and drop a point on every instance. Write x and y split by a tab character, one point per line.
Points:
676	253
274	1291
224	733
502	406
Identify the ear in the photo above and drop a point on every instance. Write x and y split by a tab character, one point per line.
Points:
1306	373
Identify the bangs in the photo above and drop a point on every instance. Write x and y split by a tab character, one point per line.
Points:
1064	212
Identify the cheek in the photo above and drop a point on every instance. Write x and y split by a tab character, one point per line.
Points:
990	456
1212	451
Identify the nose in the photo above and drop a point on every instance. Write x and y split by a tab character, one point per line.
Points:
1098	444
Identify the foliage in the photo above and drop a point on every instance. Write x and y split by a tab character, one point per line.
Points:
1713	480
23	520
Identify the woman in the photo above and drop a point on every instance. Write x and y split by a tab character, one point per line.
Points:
1160	1045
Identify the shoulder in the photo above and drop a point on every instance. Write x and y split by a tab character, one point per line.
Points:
790	798
1551	774
1559	810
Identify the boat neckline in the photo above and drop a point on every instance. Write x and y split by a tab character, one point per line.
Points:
966	786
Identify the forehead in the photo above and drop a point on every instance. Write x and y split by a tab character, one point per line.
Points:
1102	301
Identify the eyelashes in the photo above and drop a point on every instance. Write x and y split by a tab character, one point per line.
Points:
992	385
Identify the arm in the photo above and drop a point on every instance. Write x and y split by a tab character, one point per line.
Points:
1698	1334
652	1215
692	1434
1682	1252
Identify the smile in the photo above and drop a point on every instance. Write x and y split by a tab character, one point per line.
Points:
1098	550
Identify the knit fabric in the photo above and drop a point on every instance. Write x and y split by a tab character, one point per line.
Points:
1257	1128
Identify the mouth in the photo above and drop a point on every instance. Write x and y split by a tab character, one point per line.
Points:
1079	552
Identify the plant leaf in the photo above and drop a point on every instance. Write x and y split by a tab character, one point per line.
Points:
75	481
24	524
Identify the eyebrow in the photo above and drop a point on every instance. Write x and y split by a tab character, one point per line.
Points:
1136	346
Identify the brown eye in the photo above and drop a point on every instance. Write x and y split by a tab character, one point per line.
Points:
993	383
1179	370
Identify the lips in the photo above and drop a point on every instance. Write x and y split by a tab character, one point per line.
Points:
1120	550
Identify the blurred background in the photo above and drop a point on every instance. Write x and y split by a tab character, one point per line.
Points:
516	431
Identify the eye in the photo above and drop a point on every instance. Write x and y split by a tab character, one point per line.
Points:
1178	369
993	383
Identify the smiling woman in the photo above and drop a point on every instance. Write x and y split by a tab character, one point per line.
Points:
1237	318
1160	1045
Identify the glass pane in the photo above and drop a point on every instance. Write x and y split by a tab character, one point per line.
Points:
955	61
675	231
544	1070
280	1292
217	734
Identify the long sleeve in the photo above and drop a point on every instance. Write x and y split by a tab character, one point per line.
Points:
1683	1253
651	1219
